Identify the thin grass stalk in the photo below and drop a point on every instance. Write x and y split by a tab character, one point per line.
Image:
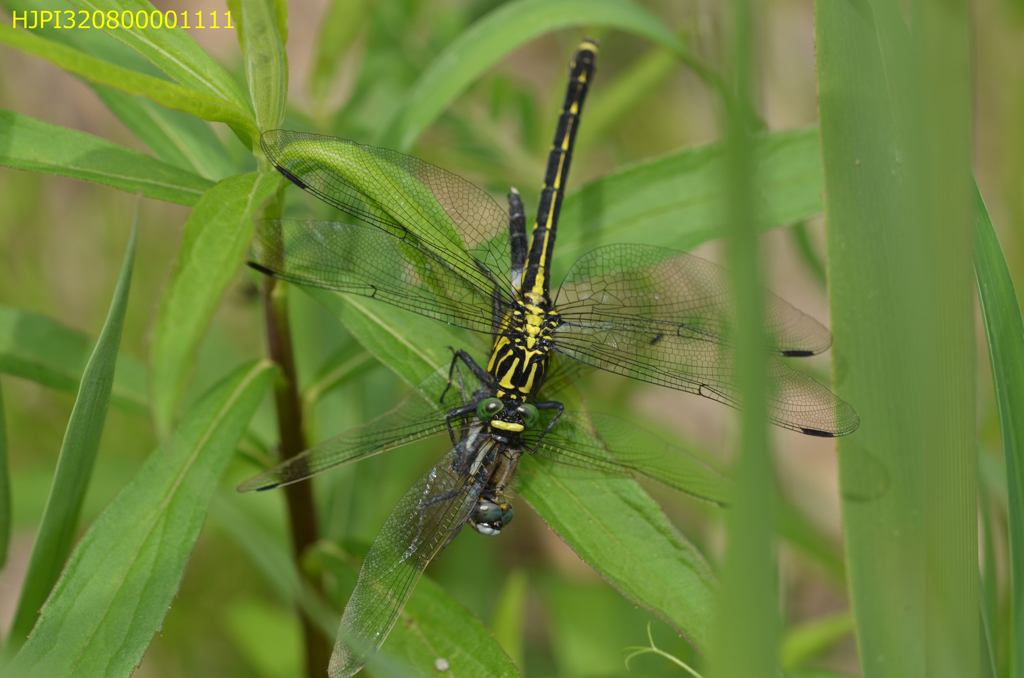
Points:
747	627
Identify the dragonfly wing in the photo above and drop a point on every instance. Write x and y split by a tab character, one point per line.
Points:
403	196
671	291
425	520
362	260
663	317
414	418
611	445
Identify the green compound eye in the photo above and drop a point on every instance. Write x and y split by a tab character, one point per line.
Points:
529	414
489	407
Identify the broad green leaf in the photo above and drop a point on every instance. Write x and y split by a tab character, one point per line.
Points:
677	201
500	32
42	350
32	145
432	626
167	94
74	466
268	636
339	28
122	578
266	64
174	51
895	146
616	528
349	362
1004	332
216	237
177	138
5	489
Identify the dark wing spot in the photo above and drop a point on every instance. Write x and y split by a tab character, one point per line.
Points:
261	269
816	433
797	353
292	178
657	339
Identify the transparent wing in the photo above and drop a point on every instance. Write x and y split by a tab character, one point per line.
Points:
664	317
611	445
365	261
662	290
404	197
414	418
425	520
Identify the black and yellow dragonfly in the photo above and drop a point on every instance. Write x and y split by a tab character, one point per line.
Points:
433	243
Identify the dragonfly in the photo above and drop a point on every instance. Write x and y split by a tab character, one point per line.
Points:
432	243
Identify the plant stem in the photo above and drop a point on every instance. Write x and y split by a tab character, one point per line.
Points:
301	510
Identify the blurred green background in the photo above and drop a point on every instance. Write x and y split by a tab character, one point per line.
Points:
61	243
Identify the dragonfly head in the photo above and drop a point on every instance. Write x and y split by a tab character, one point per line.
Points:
507	416
489	517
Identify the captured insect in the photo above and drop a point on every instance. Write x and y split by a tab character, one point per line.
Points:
433	243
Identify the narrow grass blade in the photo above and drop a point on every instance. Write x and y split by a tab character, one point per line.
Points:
677	201
216	237
1004	332
508	622
5	490
168	94
36	146
801	644
173	51
902	318
432	627
497	34
266	64
122	578
747	613
42	350
74	466
340	26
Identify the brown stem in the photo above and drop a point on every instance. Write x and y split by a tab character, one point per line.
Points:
301	510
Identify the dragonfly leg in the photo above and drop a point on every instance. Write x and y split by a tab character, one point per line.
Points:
478	372
454	414
548	405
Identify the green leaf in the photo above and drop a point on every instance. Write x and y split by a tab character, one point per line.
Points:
616	528
1004	332
28	144
895	146
508	621
74	466
5	489
266	64
432	626
485	42
42	350
216	237
122	578
174	51
271	555
677	201
340	26
177	138
167	94
812	638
